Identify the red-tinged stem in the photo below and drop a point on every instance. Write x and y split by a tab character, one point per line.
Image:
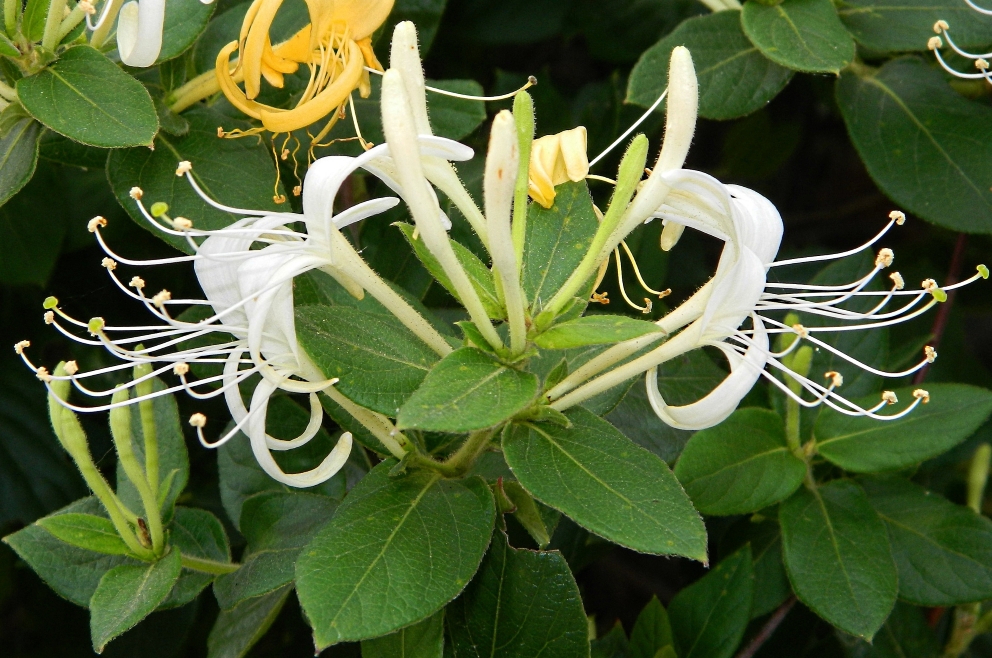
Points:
768	629
944	310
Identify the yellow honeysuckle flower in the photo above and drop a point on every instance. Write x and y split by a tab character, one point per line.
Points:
336	46
555	159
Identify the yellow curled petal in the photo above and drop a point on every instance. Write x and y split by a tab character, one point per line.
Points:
573	154
295	49
272	76
543	157
255	43
363	17
230	87
328	100
371	60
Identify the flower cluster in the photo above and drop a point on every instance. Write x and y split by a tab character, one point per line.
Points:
980	60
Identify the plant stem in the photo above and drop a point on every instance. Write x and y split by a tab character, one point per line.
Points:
7	92
53	22
768	629
199	88
204	565
978	476
100	34
148	430
462	460
963	632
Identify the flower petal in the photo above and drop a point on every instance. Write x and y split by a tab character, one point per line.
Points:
139	32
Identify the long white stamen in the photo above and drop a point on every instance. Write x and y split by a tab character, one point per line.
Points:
843	254
619	140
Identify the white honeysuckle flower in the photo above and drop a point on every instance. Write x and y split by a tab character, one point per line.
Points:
139	28
980	60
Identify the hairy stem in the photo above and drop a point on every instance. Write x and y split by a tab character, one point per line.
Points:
204	565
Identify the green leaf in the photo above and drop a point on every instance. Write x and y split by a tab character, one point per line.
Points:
236	631
72	572
735	79
612	645
804	35
943	551
87	531
521	604
528	514
184	21
127	594
909	128
425	14
33	19
58	148
771	583
864	445
196	533
277	525
905	634
652	631
709	617
8	48
18	157
378	361
606	484
556	241
742	465
236	172
837	554
424	639
88	98
902	25
413	538
594	330
468	390
27	254
478	273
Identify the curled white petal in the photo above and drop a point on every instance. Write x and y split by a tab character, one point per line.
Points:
139	32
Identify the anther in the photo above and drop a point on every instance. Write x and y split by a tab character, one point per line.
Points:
931	287
600	297
184	168
940	26
49	317
161	298
935	43
180	369
647	305
298	190
96	223
86	7
800	330
279	198
159	208
981	64
198	420
109	263
930	353
983	271
899	216
42	374
137	282
664	293
220	132
182	224
836	379
71	368
889	397
50	303
897	279
531	80
884	257
136	193
284	155
95	326
20	346
922	395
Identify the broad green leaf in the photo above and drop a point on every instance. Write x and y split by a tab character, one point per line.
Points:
414	539
478	273
18	157
612	645
27	254
173	461
805	35
594	330
241	477
197	533
652	631
943	551
277	525
468	390
605	483
72	572
556	241
87	531
33	19
905	25
709	617
236	631
378	361
127	594
910	128
452	117
905	634
771	583
184	21
837	554
521	604
8	48
425	639
236	172
59	148
528	512
88	98
742	465
735	79
863	445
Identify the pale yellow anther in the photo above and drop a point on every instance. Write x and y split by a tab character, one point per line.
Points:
981	64
42	374
930	353
940	26
648	305
884	257
800	330
889	397
136	193
836	379
137	282
297	190
898	282
600	297
20	346
180	369
929	285
184	168
49	317
284	155
555	159
198	420
86	7
96	223
182	224
935	43
922	395
71	368
109	263
899	216
161	298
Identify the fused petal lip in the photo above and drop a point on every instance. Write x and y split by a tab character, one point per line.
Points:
139	32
